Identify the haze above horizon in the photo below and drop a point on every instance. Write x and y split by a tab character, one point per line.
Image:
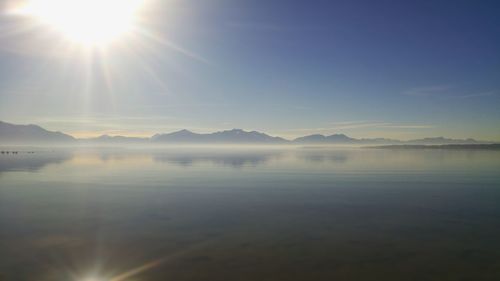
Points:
392	69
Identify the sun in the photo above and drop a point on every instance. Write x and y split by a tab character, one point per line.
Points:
86	22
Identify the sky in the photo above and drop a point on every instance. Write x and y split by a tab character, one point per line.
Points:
396	69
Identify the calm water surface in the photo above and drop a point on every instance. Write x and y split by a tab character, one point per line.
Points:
250	214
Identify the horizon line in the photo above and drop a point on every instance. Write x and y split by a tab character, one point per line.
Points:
248	131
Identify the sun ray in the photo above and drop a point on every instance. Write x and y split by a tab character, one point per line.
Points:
163	41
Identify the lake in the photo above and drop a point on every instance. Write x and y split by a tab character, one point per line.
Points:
249	214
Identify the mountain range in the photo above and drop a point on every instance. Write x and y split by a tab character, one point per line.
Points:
33	134
232	136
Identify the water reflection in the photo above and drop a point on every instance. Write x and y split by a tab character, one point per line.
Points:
324	156
235	159
297	158
289	214
31	162
340	160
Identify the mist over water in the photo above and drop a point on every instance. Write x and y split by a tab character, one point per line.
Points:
249	214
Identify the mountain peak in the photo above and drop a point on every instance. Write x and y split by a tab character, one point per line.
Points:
181	132
228	136
30	134
233	131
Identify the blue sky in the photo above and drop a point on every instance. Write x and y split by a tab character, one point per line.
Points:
402	69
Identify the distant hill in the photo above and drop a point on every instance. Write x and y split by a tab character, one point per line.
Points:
236	136
105	139
179	137
491	146
441	140
321	139
31	134
343	139
378	141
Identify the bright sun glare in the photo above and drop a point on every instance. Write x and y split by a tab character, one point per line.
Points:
86	22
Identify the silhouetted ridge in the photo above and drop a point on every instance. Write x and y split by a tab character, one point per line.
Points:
343	139
229	136
337	138
442	140
105	139
30	134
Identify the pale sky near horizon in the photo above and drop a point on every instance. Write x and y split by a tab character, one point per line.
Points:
395	69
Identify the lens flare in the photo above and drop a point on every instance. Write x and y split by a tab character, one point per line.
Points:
87	22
